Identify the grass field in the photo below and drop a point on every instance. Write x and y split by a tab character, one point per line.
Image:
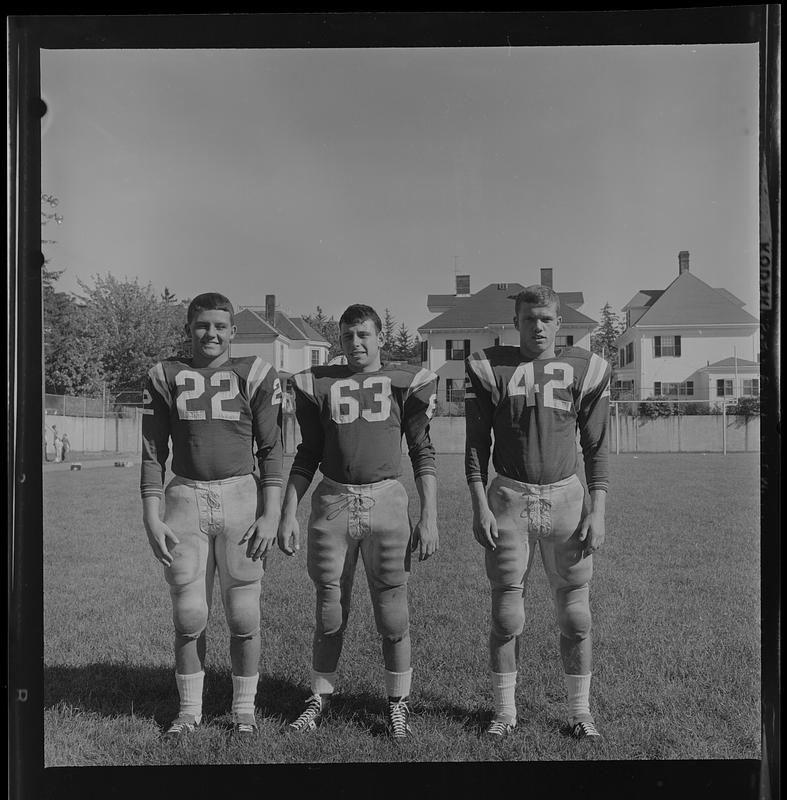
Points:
675	599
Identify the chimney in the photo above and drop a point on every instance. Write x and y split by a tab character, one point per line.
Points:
683	262
270	308
462	285
546	277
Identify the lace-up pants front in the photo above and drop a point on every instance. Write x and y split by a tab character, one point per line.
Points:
370	519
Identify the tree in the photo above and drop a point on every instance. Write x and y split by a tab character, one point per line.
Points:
389	330
328	327
134	327
401	346
72	355
602	340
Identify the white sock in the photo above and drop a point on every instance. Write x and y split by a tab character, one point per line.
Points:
578	687
397	684
504	691
244	690
190	691
323	682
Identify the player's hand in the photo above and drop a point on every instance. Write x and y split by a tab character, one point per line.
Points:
159	537
485	528
261	536
425	539
592	532
289	536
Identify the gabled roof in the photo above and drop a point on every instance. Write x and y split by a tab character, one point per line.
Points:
251	322
690	301
644	298
732	362
494	305
307	330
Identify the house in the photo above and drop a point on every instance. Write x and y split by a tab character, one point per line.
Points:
469	322
688	341
290	344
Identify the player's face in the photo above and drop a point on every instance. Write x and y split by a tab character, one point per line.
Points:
361	344
537	326
211	333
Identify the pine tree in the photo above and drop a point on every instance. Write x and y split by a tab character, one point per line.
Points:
602	340
389	330
401	344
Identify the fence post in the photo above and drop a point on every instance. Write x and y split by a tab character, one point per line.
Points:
84	420
724	427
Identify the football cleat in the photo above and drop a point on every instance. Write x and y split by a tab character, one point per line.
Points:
183	725
397	718
311	717
585	730
244	726
500	727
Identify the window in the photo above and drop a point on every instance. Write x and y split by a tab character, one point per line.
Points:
457	349
497	341
666	346
723	388
315	357
671	389
622	356
502	286
281	356
630	353
751	388
564	341
622	389
454	390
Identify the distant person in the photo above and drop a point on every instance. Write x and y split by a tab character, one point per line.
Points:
57	442
219	516
352	417
66	443
534	402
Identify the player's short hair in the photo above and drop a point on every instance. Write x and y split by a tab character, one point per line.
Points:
537	295
209	301
360	313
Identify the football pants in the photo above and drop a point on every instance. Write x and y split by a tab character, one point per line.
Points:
373	520
209	518
549	516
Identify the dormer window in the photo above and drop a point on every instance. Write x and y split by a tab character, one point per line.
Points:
502	286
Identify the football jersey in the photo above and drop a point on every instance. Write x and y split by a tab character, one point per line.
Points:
534	408
214	417
352	422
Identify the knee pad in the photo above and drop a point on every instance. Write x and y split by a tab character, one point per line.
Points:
391	613
573	612
189	610
242	609
508	614
331	615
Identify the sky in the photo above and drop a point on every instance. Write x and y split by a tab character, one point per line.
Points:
334	176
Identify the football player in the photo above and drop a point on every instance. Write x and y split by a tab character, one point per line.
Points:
352	417
219	516
535	400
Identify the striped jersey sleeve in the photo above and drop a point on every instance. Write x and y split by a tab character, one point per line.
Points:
593	422
265	398
307	411
480	399
419	406
156	403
